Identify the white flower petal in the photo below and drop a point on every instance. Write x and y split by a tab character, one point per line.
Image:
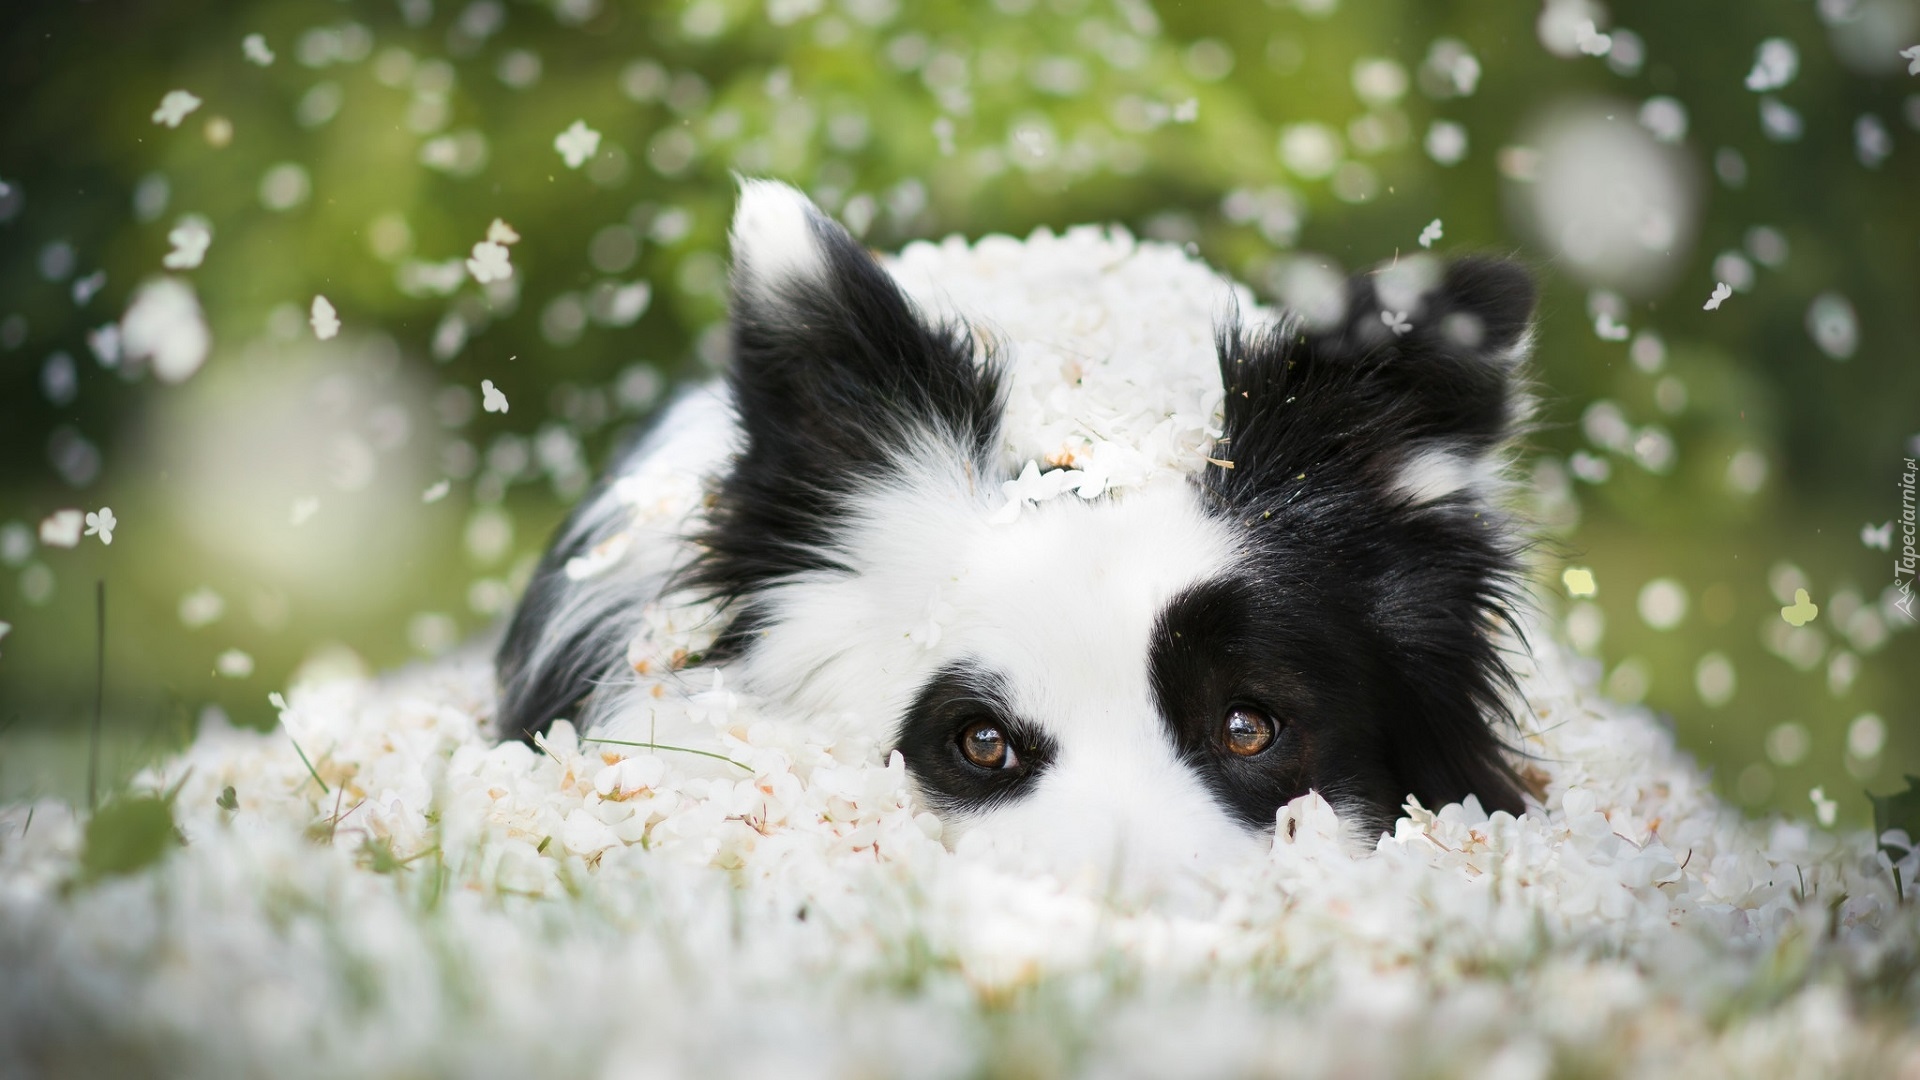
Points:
326	322
174	108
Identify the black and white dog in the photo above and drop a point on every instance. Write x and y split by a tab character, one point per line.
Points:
1318	604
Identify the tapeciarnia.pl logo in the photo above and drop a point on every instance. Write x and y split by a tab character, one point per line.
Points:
1903	563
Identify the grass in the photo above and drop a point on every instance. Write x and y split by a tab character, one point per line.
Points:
664	746
311	771
99	690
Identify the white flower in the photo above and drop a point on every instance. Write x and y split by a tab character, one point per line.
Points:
175	107
234	664
437	492
1913	59
1775	63
1446	142
461	153
1032	485
16	544
577	144
201	607
101	524
1609	328
1310	150
491	399
326	323
1877	536
622	305
1590	40
602	556
164	324
1589	467
418	278
1720	293
61	529
1307	827
284	186
254	47
1780	121
1825	810
104	343
629	775
86	288
189	239
1396	321
1665	118
501	233
1431	233
1872	143
489	262
583	834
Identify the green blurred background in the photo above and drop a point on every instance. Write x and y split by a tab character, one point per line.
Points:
1702	464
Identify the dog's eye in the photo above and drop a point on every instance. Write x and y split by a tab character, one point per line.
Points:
1246	731
985	743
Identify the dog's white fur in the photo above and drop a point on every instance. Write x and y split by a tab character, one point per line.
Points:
1061	601
772	236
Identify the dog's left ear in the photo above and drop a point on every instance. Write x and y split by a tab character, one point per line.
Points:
1380	437
840	384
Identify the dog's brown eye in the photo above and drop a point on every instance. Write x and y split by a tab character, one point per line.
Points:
985	743
1246	731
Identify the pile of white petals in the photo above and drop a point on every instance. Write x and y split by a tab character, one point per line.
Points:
779	906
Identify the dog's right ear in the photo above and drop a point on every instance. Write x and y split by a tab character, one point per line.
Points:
839	384
1414	393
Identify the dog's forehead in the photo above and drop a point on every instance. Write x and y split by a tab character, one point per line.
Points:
1057	606
1063	601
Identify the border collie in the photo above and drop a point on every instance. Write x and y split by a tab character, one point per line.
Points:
1318	604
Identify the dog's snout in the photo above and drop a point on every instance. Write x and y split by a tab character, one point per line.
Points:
1141	827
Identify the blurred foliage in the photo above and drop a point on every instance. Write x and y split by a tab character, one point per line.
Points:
126	835
1900	810
271	506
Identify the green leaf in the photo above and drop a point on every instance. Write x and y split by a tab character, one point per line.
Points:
378	856
1900	810
1897	811
126	836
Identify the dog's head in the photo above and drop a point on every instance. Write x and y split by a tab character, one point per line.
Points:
1155	672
